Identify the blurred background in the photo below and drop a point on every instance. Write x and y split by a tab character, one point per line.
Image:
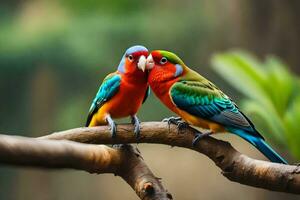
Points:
54	55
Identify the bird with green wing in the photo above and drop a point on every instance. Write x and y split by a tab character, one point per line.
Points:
199	102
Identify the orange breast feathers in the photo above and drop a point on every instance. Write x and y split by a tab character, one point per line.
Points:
126	102
162	91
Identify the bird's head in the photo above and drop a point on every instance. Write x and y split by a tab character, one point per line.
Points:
134	61
164	66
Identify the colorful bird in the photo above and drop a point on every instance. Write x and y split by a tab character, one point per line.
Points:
199	102
122	93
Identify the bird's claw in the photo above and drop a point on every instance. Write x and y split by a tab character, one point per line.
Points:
178	122
172	120
113	130
199	136
137	131
113	127
137	128
182	125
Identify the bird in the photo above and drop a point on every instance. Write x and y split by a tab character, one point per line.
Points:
199	102
122	92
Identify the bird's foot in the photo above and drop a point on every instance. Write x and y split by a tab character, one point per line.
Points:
121	146
178	122
113	127
116	146
137	128
113	130
172	120
199	136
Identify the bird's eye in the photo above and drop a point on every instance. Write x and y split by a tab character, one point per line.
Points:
163	60
130	58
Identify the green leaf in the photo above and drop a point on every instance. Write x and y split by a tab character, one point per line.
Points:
279	79
268	120
291	122
243	72
272	95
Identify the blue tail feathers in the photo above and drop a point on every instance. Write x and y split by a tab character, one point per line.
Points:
260	144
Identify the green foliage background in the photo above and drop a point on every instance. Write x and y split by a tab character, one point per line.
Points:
271	94
55	53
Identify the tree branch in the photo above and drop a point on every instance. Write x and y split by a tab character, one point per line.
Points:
234	165
125	161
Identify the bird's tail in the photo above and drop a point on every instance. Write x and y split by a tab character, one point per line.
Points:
261	145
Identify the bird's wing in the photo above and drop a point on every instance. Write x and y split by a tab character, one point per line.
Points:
107	90
203	99
146	94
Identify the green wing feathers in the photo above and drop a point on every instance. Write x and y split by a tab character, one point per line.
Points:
109	87
203	99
